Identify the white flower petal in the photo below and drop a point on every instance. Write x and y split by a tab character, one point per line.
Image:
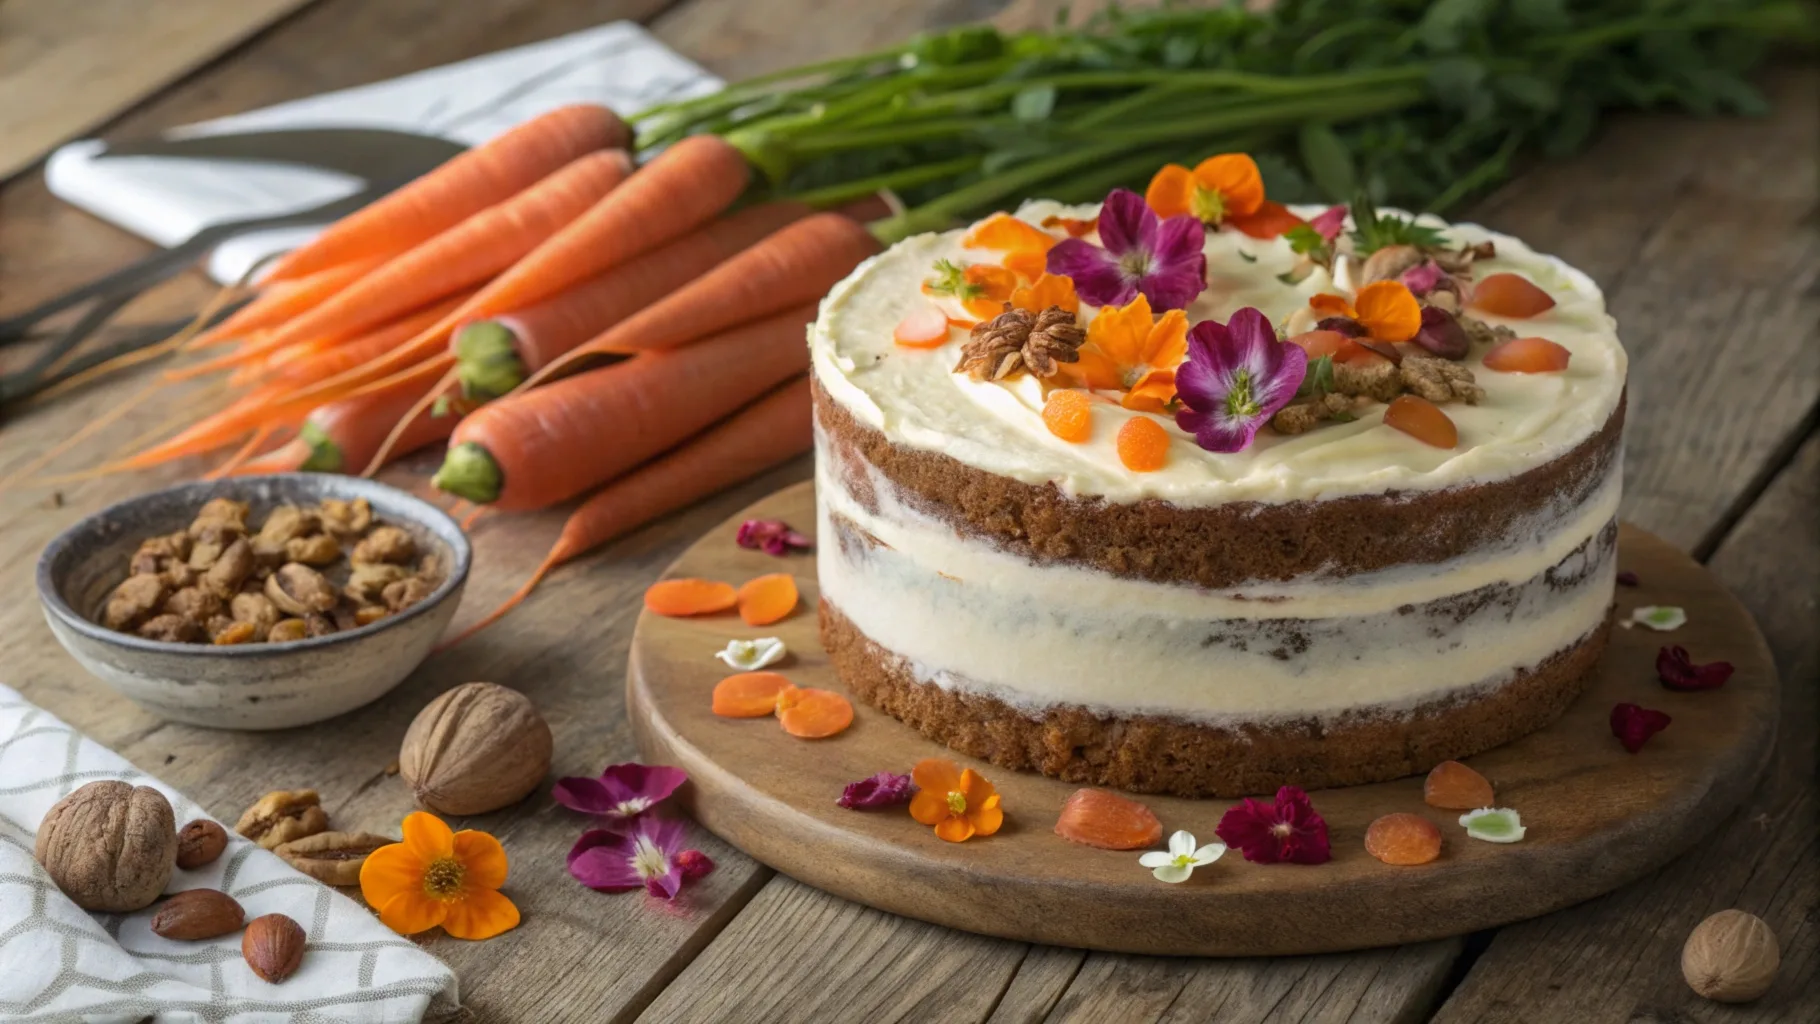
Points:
1663	618
1209	853
1182	844
750	655
1155	859
1173	873
1494	824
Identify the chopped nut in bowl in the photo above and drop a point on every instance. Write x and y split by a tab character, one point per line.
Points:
261	602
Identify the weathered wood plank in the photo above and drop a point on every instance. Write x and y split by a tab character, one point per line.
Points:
1618	958
67	67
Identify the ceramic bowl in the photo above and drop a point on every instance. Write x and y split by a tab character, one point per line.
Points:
249	686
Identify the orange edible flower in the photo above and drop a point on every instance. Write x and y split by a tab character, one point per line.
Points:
1220	189
1387	310
1049	290
1026	248
1128	350
960	803
438	877
1271	220
1075	227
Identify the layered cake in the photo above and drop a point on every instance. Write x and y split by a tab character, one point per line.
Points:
1341	546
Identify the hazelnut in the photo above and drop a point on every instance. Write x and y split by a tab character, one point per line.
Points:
273	947
1731	957
200	843
109	846
476	748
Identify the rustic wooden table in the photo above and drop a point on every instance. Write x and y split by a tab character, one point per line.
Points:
1702	233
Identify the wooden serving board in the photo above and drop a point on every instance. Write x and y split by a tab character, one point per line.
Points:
1597	816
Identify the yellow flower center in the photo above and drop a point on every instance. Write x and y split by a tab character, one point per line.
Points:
957	801
1209	205
443	878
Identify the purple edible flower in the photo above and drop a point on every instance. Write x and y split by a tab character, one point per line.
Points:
1160	258
694	864
644	856
1329	223
1424	277
881	790
1237	376
773	536
623	791
1677	671
1628	579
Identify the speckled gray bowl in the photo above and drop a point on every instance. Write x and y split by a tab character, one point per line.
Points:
251	686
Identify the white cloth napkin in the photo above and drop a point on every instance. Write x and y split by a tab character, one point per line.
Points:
166	201
60	963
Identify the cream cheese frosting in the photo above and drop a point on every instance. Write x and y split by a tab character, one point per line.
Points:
913	397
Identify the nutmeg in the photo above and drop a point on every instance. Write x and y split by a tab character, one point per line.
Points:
476	748
109	846
1731	957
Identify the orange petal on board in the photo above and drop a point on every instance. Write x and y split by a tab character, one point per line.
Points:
1171	191
1455	787
1511	296
1527	355
750	694
1236	178
1006	233
690	597
767	599
1069	415
1049	290
925	326
1272	220
1389	310
1095	817
814	714
1143	445
1422	420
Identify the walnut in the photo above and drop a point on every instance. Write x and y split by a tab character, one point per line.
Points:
288	522
347	520
225	510
1439	380
134	601
299	590
1374	379
268	554
367	583
256	610
320	549
194	603
109	846
1481	333
1388	263
231	569
179	575
406	592
1018	340
385	544
156	554
286	630
476	748
317	624
173	629
1305	415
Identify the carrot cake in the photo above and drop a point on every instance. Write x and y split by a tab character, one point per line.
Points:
1194	493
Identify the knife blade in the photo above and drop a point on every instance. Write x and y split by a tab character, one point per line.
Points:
370	153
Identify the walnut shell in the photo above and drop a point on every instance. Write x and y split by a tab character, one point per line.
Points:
109	846
1731	957
476	748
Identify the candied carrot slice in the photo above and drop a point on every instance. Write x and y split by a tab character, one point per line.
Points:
926	326
766	599
1527	355
1095	817
1455	787
750	694
1422	420
690	597
1403	839
1069	415
813	714
1143	445
1510	295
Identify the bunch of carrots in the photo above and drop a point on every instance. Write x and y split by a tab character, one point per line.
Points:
569	325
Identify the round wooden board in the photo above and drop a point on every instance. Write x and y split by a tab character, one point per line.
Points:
1597	816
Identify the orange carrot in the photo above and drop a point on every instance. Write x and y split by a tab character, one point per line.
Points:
690	183
469	183
797	264
341	437
767	432
495	355
469	253
535	448
279	303
316	362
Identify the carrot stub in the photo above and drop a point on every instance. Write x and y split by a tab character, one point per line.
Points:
1069	415
1095	817
1143	445
767	599
750	694
684	597
813	714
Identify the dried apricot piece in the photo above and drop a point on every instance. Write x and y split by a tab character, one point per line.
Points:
766	599
750	694
1454	786
1095	817
1143	445
1511	296
1403	839
690	597
813	714
1069	415
1422	420
1527	355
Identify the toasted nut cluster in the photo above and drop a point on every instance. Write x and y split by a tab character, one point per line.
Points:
304	572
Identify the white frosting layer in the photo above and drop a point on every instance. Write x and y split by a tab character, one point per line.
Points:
967	615
913	397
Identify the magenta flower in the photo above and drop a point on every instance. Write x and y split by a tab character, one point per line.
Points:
643	856
1423	278
1160	258
1676	668
1286	831
1634	725
773	536
623	791
1329	223
881	790
694	865
1237	376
